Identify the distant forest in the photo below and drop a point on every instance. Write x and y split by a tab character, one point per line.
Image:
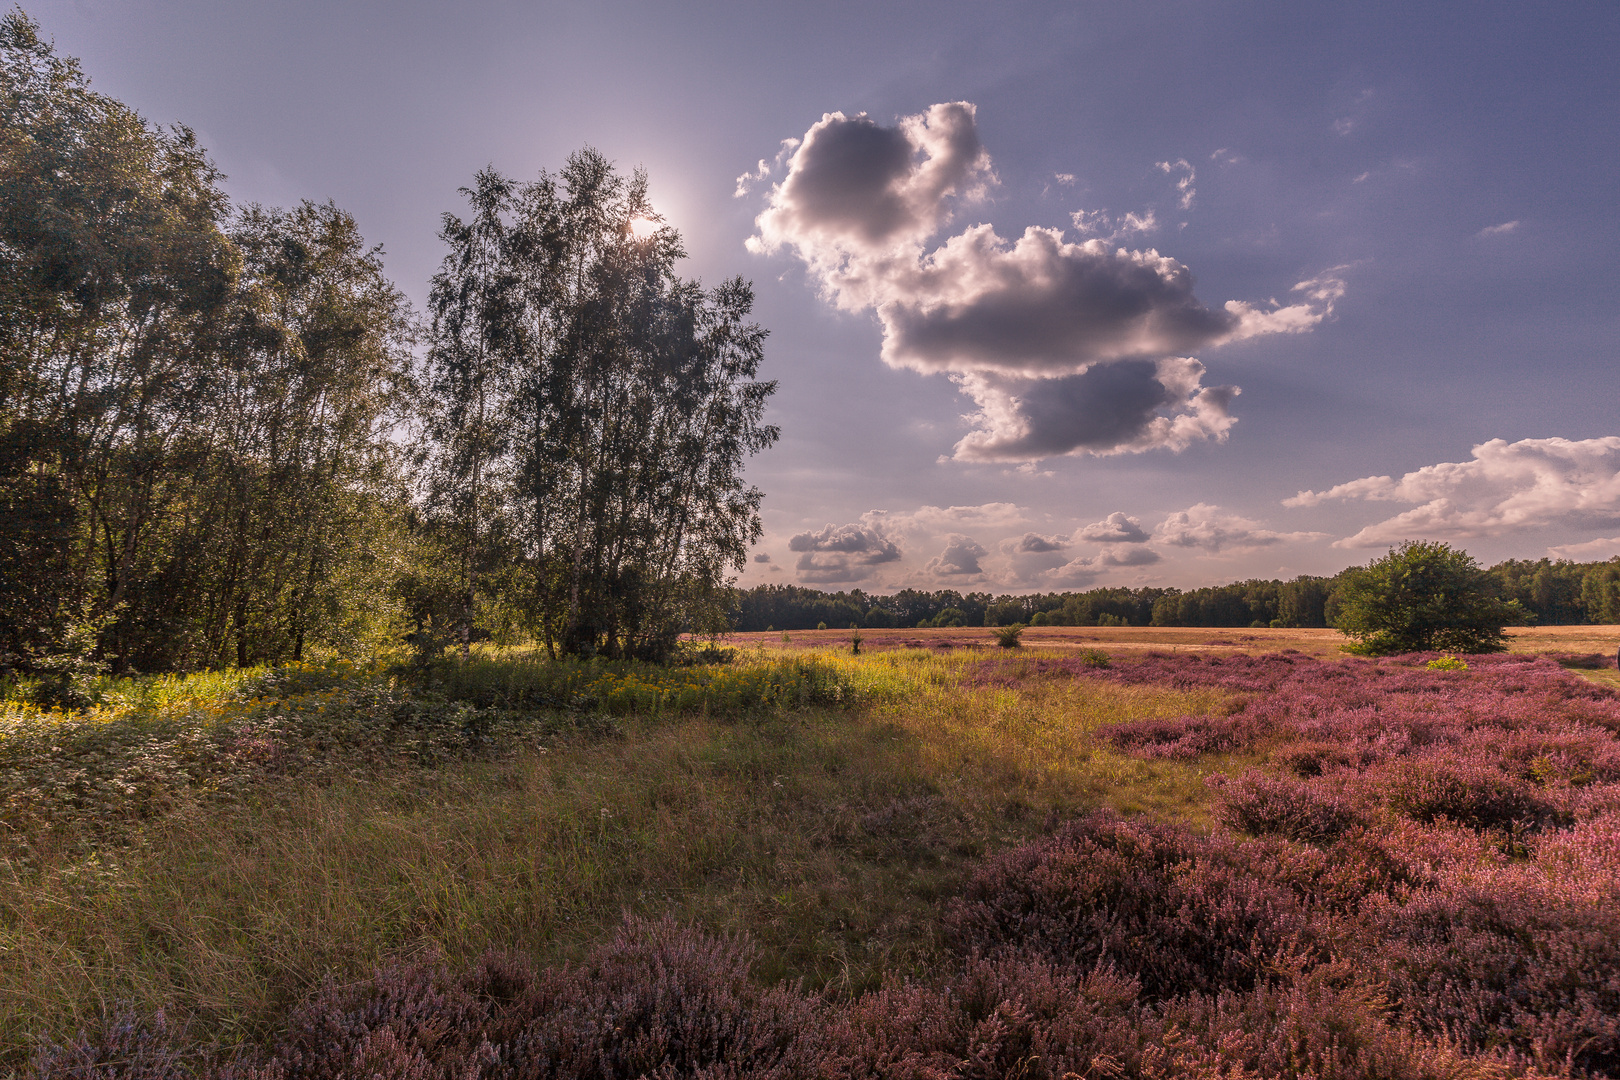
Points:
1559	593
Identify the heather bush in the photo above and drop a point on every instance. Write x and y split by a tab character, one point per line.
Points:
1174	911
656	1000
1468	793
1009	1016
123	1047
1262	806
1505	963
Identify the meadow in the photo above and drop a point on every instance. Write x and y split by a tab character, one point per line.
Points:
1113	852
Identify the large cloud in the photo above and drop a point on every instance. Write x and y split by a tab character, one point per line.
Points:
835	554
1203	527
1066	347
1532	483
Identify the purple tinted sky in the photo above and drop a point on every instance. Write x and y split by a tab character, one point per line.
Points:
1452	165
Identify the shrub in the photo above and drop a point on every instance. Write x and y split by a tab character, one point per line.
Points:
1446	663
1263	806
1161	905
656	1000
1424	596
1007	636
1474	795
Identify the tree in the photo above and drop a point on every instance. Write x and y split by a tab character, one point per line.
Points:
195	403
1421	596
600	404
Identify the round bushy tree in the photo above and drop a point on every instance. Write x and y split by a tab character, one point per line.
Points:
1424	595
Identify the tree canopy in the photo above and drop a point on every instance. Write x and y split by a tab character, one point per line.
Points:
592	411
1425	595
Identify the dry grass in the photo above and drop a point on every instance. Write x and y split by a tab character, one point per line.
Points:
831	835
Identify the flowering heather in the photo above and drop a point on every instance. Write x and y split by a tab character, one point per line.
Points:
1416	876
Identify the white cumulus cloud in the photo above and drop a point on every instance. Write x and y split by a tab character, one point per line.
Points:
835	554
1205	528
1116	528
959	559
1506	486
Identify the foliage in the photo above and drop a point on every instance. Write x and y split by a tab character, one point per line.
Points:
1447	663
1424	596
1007	636
195	402
591	412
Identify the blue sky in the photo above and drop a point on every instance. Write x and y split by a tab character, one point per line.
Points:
1019	252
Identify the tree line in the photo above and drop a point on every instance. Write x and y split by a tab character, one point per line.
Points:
226	438
1551	593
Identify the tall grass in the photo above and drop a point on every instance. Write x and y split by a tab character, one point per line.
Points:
371	821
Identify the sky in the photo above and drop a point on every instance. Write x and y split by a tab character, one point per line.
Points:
1060	295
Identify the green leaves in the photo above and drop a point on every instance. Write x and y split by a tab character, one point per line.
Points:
1424	596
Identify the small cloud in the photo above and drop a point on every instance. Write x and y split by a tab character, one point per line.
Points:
762	557
1204	527
1105	226
1496	230
1064	178
1362	177
1033	544
1116	528
1225	156
1344	125
1185	184
1073	574
959	559
949	518
1129	556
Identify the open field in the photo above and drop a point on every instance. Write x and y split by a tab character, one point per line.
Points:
1304	864
1130	639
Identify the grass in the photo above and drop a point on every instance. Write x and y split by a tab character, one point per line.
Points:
217	846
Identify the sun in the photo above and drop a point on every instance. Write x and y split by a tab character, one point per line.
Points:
643	227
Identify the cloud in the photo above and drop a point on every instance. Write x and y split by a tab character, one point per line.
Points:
1075	574
1033	544
1064	178
1065	347
1116	528
1107	227
1226	156
856	191
762	557
1129	556
948	518
1203	527
1106	409
1320	294
1590	551
959	559
1531	483
1496	230
841	553
1185	184
747	180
